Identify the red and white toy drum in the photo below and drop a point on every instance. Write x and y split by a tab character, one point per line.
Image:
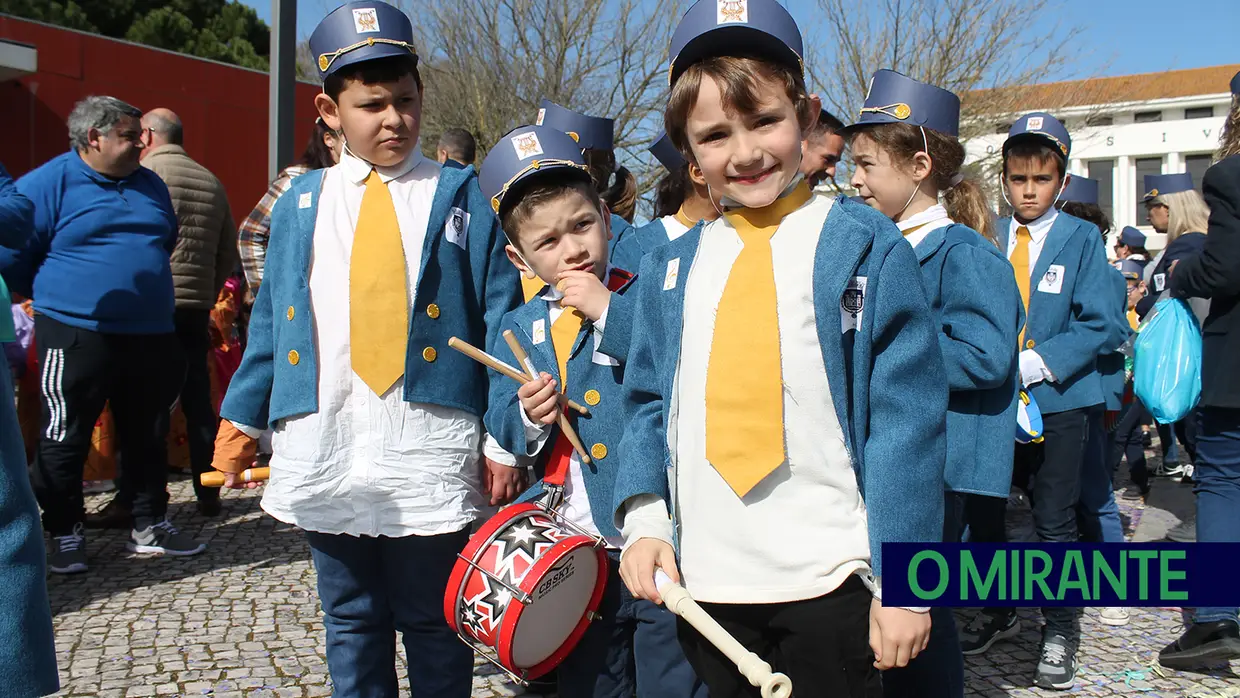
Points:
525	589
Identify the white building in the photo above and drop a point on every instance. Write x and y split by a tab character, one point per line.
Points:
1124	128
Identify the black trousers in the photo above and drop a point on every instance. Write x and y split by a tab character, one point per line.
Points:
80	371
1127	442
822	644
1055	467
201	422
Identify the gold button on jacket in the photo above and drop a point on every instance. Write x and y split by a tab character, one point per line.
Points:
598	451
432	311
593	397
294	357
429	354
291	313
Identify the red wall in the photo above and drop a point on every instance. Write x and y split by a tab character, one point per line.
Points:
223	107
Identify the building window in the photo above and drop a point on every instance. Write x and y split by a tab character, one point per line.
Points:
1103	172
1143	166
1199	113
1196	165
1145	117
1100	121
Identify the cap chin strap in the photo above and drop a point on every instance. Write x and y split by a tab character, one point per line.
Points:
1003	191
925	149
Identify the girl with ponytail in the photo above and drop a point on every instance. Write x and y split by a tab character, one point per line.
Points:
909	166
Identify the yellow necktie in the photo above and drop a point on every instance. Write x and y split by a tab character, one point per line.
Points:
1020	265
912	230
564	333
378	297
530	287
744	381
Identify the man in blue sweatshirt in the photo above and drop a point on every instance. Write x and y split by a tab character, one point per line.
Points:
97	267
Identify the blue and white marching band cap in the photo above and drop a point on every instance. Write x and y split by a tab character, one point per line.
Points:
590	132
1160	184
1082	190
1131	237
666	153
1028	419
525	152
1042	126
1130	269
360	31
898	99
1235	84
736	27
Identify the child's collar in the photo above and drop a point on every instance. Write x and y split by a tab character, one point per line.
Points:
357	170
792	199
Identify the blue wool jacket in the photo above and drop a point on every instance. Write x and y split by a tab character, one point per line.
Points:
16	225
461	291
886	378
594	378
638	243
1111	362
99	256
973	291
624	252
1072	317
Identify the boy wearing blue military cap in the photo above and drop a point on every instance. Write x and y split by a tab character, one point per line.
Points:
577	331
374	263
681	199
1066	287
785	387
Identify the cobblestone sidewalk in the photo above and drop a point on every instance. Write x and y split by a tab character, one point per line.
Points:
243	620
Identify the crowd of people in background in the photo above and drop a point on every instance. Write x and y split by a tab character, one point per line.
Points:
131	287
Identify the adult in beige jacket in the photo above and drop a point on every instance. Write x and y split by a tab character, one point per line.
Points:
204	257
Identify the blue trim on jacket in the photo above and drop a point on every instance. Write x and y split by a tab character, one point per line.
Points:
886	378
473	286
586	374
1070	328
972	289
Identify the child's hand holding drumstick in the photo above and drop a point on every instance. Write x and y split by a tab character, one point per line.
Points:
540	400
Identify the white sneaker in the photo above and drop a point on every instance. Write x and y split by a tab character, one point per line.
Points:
1114	616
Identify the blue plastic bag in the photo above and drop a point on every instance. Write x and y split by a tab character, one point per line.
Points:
1167	361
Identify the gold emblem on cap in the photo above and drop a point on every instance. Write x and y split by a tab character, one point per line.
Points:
324	62
1153	192
902	111
573	135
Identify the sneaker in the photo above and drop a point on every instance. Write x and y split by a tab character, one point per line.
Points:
1134	492
165	539
1186	474
1185	531
1203	645
986	629
1168	470
1057	667
68	553
1113	616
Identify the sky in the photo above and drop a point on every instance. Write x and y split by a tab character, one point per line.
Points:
1119	37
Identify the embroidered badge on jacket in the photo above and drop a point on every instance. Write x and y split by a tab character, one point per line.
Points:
852	303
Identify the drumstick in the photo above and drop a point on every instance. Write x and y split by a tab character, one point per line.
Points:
505	370
751	666
216	478
524	359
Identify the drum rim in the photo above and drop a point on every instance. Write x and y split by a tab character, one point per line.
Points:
508	627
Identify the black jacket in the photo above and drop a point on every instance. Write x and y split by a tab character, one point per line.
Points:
1185	246
1215	274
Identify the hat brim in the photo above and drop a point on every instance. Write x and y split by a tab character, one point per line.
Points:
369	53
1031	137
740	41
516	187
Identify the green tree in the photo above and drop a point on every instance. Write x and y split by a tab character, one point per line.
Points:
222	30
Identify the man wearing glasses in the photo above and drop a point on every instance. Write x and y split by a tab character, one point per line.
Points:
97	268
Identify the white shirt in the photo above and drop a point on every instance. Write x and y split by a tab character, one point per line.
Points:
1032	368
673	226
802	531
364	464
576	504
930	220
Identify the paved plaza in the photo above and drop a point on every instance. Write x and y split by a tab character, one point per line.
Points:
242	620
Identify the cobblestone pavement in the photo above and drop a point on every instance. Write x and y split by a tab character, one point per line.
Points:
243	620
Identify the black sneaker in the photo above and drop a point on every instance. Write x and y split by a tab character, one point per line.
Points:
1185	531
68	553
986	629
1203	645
1057	666
165	539
1134	492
